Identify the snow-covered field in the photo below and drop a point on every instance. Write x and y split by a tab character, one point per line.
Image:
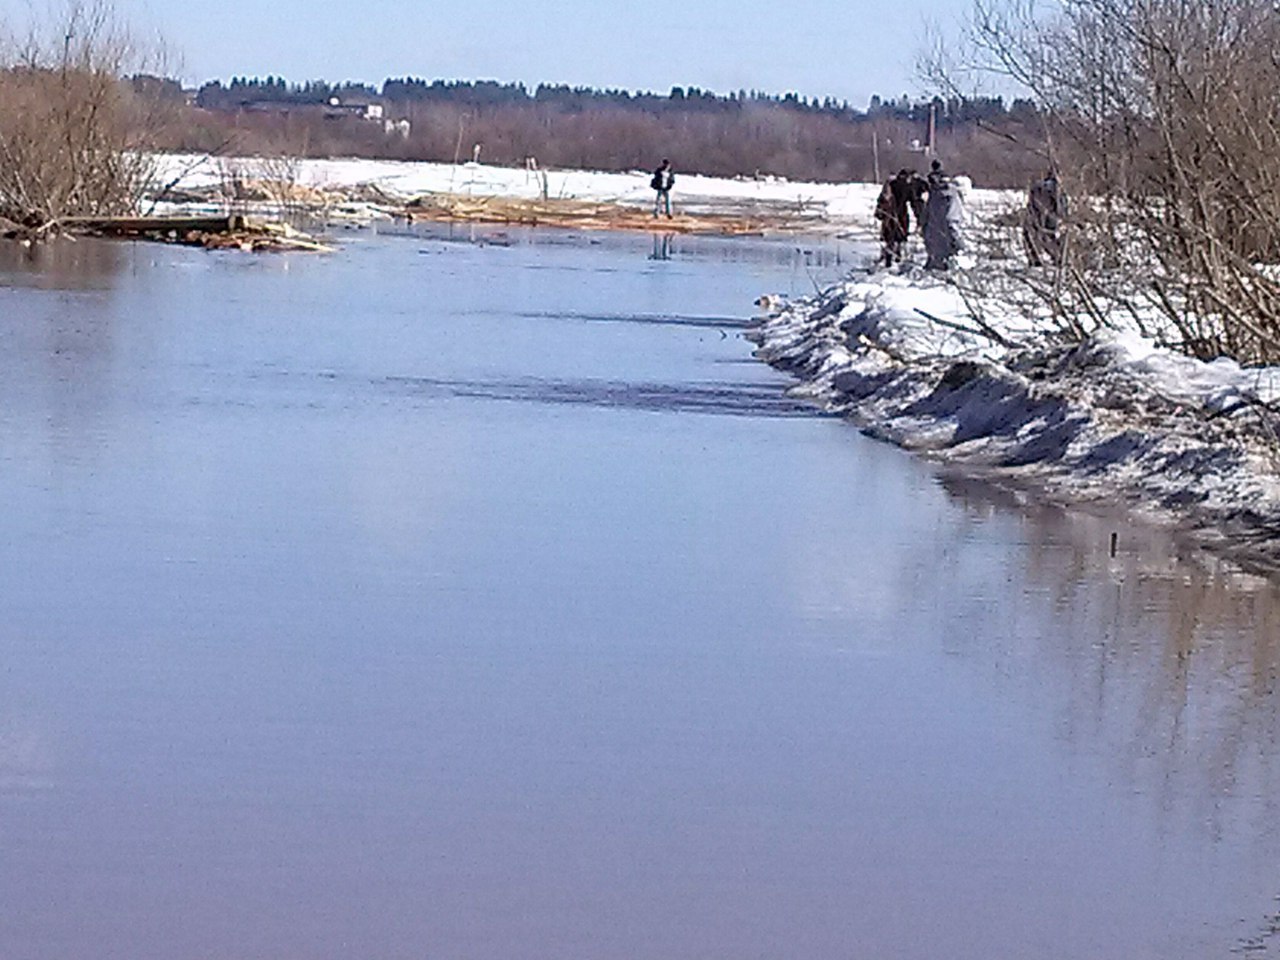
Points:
412	179
835	206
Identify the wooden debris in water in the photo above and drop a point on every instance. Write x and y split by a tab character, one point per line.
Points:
581	214
232	232
269	236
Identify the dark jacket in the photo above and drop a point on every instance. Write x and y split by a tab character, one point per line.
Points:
893	210
1046	203
663	178
919	190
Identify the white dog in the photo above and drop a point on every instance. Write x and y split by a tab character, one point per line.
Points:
771	302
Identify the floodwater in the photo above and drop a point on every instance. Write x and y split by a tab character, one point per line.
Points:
486	600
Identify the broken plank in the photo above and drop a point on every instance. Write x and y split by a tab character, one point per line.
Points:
136	226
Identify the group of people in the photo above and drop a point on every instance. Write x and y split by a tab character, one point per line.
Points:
937	205
936	202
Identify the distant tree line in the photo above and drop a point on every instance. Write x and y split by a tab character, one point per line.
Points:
241	91
739	133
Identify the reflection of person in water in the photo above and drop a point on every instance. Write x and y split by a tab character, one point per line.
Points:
662	246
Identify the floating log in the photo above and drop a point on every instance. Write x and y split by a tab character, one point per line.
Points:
148	226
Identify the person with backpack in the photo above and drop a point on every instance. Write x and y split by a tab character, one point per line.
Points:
662	180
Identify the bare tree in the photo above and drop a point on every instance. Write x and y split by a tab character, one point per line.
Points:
75	134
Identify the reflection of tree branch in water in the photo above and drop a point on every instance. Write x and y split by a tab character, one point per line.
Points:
1184	700
64	264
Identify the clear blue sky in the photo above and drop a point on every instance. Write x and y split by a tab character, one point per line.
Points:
847	49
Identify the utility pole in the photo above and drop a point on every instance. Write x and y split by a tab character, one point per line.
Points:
875	153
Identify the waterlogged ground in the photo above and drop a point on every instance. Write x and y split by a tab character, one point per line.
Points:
488	600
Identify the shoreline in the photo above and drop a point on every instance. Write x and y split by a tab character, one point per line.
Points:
1113	420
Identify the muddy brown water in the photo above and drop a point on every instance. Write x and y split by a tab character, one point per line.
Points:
475	594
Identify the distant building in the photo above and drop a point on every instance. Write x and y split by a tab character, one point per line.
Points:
355	108
364	109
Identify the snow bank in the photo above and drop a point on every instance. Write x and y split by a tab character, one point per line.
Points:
1113	419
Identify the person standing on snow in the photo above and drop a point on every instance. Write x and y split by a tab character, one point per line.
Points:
943	220
663	178
893	210
919	190
1046	206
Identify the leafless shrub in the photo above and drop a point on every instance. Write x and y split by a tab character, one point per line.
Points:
74	133
1165	116
271	177
234	177
278	176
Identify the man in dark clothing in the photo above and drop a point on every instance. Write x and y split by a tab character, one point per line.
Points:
662	180
893	211
1046	206
919	189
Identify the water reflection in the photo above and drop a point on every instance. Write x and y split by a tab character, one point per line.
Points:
816	259
1170	658
58	340
662	244
61	264
726	398
710	323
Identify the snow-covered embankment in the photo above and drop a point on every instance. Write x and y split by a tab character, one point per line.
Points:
1113	420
